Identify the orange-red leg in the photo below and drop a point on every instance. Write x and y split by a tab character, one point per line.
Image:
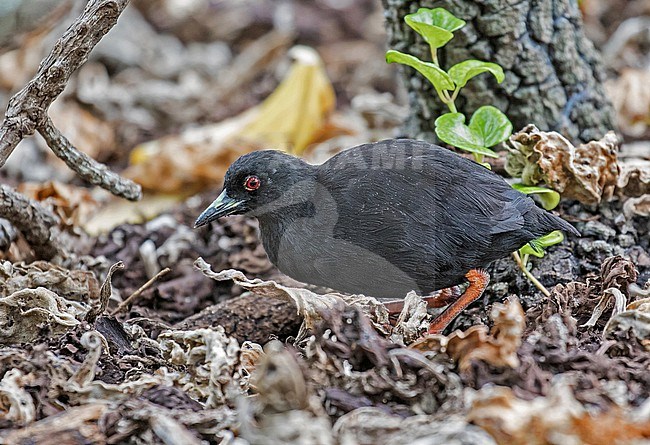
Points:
478	281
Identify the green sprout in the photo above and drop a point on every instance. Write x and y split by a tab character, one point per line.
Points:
487	127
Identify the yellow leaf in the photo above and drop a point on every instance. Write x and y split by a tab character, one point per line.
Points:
292	115
120	211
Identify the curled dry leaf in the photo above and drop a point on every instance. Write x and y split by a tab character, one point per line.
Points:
309	305
285	409
16	405
373	426
634	180
211	363
412	320
76	285
619	273
250	355
609	294
635	318
498	348
279	380
289	119
29	314
105	293
73	205
557	419
588	172
616	276
637	206
92	341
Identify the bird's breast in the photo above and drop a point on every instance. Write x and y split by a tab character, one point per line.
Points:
309	251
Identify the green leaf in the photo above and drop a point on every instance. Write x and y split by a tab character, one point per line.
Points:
451	128
549	198
464	71
434	25
436	37
433	73
491	124
537	246
529	249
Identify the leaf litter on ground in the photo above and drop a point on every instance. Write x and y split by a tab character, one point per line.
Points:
188	363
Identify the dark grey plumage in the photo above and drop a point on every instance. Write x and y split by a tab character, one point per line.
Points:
384	218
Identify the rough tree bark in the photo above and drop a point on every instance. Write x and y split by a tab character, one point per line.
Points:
553	73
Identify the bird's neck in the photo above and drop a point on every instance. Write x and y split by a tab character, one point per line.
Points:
274	225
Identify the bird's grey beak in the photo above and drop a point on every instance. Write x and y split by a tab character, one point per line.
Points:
224	205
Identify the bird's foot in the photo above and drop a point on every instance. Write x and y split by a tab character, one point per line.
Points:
441	298
444	297
478	281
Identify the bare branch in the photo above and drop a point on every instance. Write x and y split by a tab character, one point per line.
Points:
27	109
37	224
86	167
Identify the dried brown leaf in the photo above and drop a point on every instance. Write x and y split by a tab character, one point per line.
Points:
211	361
285	411
412	320
16	405
618	272
588	172
73	205
309	305
499	347
634	179
616	275
636	318
557	419
637	206
29	314
76	285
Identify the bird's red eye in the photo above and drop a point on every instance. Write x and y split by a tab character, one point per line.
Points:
252	183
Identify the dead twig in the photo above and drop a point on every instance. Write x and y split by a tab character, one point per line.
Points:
27	109
529	275
86	167
35	222
137	293
104	294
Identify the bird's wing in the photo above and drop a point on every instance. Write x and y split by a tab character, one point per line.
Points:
421	206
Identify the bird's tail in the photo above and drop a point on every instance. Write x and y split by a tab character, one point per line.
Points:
552	222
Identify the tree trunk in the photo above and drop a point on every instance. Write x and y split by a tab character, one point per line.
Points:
554	77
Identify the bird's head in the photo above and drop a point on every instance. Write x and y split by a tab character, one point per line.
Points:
261	182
